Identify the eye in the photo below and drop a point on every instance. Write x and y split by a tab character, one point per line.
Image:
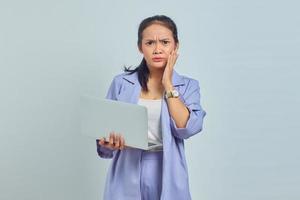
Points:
149	43
165	42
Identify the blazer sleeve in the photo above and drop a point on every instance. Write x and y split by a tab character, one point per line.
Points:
191	99
112	94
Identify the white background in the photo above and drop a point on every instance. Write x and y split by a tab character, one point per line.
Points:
244	53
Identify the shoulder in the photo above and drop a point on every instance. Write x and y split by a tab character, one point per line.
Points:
118	77
189	80
125	76
185	80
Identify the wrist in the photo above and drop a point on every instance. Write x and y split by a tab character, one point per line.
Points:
171	94
168	87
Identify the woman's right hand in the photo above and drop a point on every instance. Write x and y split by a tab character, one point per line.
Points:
115	142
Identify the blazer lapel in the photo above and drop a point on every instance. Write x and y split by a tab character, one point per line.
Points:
131	89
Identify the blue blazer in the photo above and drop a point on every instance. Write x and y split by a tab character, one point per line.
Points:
123	179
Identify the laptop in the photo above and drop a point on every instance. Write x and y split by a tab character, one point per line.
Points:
101	116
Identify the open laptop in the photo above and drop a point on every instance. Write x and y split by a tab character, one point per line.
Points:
101	116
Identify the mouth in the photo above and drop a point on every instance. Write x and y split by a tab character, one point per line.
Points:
157	59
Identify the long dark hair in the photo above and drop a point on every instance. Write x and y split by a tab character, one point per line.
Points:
142	68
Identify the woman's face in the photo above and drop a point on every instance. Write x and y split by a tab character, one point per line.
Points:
157	44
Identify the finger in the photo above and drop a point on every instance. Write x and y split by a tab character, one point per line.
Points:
117	141
114	137
176	57
172	57
104	143
111	139
173	54
101	141
122	142
169	57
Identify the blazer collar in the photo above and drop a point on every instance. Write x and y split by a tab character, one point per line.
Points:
176	78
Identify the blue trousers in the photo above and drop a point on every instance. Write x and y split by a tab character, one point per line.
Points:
151	175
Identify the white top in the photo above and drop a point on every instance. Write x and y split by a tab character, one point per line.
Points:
154	123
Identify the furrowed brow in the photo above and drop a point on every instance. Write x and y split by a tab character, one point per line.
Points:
164	39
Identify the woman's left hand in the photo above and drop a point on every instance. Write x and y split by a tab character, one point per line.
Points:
168	72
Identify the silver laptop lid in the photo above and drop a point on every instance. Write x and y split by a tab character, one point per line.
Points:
101	116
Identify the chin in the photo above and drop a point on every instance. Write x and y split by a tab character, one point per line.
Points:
158	65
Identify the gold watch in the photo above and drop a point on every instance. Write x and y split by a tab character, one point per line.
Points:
171	94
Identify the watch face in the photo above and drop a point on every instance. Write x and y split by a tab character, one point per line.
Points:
175	93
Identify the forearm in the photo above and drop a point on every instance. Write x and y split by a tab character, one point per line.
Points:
178	111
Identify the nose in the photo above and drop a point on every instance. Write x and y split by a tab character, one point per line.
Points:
157	49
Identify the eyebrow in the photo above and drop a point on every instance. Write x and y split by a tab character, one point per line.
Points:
159	40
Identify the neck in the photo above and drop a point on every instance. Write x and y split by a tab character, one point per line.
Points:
156	74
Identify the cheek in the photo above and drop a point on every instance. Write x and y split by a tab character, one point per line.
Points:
147	52
170	49
168	52
147	55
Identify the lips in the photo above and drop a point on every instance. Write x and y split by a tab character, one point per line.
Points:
157	59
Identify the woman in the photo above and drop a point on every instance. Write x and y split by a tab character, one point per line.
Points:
175	114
